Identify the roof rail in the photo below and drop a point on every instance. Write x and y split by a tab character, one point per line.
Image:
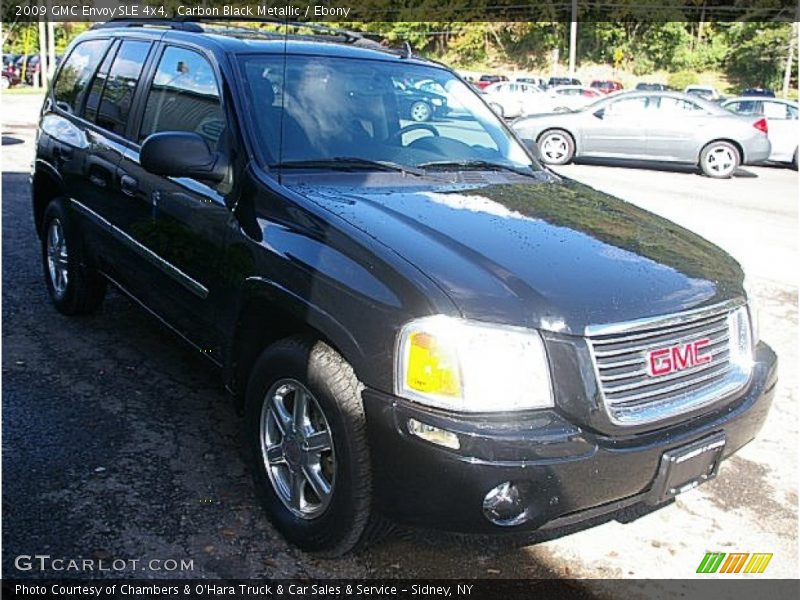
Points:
193	24
167	23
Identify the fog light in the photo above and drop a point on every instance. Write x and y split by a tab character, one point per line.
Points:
434	435
504	505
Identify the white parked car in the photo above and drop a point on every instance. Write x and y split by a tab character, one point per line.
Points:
509	98
707	92
532	80
782	123
560	99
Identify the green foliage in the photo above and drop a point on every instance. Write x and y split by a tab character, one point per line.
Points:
757	52
680	79
749	53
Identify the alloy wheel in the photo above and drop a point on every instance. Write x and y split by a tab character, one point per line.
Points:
297	449
555	147
420	112
57	258
721	160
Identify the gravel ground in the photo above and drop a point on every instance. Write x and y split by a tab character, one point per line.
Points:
119	443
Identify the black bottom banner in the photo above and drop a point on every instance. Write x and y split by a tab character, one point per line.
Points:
400	589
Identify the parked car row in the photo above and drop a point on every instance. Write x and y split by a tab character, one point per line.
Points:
19	66
669	127
514	99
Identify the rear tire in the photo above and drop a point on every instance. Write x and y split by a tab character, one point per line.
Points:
74	287
720	160
283	459
556	147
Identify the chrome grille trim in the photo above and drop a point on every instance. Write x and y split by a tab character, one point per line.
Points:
631	396
663	321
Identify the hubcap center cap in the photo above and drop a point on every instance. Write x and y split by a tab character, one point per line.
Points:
292	451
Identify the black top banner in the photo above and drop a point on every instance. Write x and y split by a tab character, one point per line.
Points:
446	11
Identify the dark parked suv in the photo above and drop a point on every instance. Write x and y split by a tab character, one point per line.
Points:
421	324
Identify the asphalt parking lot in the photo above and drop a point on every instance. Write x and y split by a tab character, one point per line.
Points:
118	441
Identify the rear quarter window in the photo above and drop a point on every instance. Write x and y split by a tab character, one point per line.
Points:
73	78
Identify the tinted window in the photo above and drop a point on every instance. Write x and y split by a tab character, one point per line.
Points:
747	107
184	97
667	104
627	107
99	82
74	76
115	101
370	110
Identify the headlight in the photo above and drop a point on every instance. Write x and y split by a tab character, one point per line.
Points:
741	339
437	101
754	308
472	367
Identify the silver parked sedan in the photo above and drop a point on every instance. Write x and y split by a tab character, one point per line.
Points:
659	126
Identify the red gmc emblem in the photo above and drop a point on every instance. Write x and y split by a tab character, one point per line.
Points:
676	358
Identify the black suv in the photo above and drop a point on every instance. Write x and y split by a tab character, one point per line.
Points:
421	323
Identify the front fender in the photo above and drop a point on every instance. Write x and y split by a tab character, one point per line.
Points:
302	309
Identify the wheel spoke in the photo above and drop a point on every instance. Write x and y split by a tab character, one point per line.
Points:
296	484
318	441
300	409
275	455
282	417
317	481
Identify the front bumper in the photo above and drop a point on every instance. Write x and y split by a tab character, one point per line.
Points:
569	474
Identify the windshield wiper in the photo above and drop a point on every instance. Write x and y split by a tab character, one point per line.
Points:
484	165
344	163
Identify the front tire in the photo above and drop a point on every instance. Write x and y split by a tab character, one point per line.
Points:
73	287
719	160
556	147
307	442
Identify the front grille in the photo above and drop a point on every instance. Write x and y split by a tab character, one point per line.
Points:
633	395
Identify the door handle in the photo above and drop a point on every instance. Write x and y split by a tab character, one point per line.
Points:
98	180
128	185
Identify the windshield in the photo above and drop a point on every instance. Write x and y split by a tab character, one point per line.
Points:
316	109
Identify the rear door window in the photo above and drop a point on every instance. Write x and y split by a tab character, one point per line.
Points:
117	94
184	96
98	83
73	78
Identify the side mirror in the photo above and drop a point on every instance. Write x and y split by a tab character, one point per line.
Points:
182	154
600	113
533	148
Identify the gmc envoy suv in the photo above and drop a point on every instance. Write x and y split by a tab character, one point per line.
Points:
420	323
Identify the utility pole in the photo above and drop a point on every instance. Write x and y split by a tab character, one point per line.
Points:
40	79
573	38
787	74
51	43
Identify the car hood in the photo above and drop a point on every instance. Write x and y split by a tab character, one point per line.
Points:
556	255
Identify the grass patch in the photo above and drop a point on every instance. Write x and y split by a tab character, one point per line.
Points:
23	91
